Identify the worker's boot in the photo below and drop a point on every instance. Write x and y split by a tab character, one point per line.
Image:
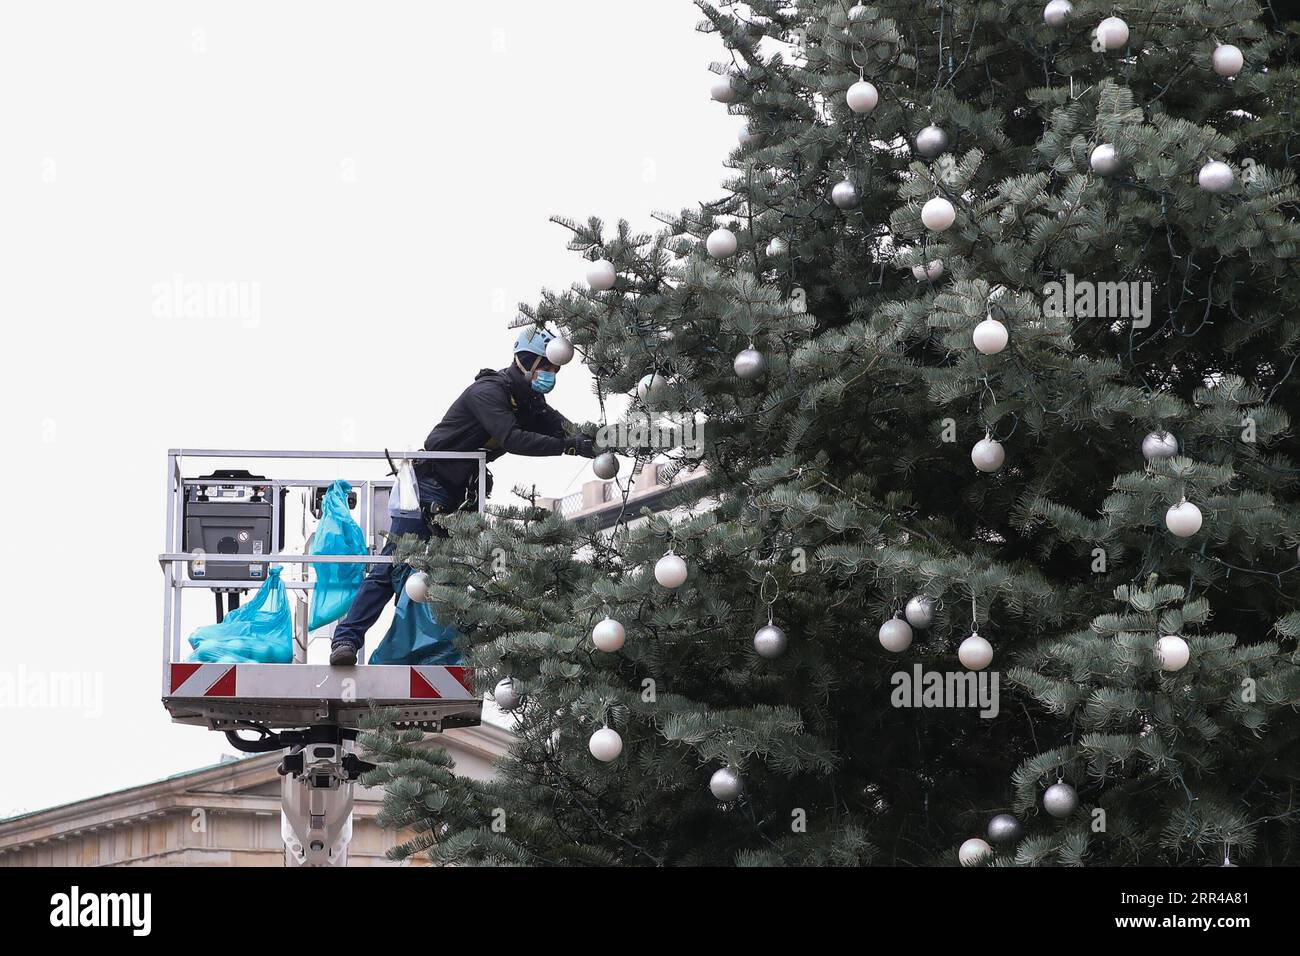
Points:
343	654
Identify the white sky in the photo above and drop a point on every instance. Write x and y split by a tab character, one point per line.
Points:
382	175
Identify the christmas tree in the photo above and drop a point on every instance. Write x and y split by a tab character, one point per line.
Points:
992	337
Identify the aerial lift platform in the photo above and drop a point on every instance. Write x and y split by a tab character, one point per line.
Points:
309	711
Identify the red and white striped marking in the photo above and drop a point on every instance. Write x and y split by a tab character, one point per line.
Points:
321	682
204	680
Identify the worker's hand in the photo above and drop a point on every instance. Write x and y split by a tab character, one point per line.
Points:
581	445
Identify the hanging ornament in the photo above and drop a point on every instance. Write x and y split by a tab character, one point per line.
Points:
1215	177
895	635
862	96
1159	444
559	350
858	13
1183	519
506	696
726	784
975	653
988	454
777	247
974	852
605	465
769	641
845	195
1057	12
670	571
1004	828
938	214
1060	799
724	90
605	744
989	337
931	141
1227	60
651	387
919	611
750	363
1112	33
930	272
1103	160
417	587
601	275
1172	653
608	635
747	135
721	243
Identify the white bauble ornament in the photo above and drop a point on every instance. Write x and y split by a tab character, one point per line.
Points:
1004	828
608	635
1172	653
559	350
747	135
670	571
769	641
858	13
505	695
417	587
777	247
1183	519
928	272
1060	799
1227	60
1160	444
895	635
723	90
862	97
721	243
975	653
973	852
988	454
845	195
919	611
1113	33
989	337
726	785
931	141
938	214
605	465
650	386
601	275
1057	12
1103	160
749	363
1215	177
605	744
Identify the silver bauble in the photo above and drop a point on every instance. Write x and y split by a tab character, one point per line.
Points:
605	465
559	350
750	363
858	13
777	247
974	852
931	141
601	275
670	571
723	89
988	454
895	635
417	587
1004	828
726	784
1215	177
1060	799
845	195
1103	160
1184	519
605	744
1057	12
919	611
1112	33
1159	444
769	641
1227	60
608	635
505	695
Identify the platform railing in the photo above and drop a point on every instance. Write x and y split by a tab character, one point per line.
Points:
174	559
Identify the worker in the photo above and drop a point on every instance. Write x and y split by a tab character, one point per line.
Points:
503	411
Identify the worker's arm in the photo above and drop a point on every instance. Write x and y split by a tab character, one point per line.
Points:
552	422
491	406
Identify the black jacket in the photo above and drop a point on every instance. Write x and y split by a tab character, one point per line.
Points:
501	412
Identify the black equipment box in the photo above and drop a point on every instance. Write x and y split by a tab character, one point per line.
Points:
232	515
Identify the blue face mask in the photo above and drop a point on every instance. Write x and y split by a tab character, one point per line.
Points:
544	382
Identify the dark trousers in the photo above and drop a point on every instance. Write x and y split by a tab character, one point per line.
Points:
377	587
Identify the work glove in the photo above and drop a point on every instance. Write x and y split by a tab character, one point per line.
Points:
581	445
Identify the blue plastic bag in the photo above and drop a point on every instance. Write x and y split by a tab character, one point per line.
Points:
336	584
415	636
259	632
